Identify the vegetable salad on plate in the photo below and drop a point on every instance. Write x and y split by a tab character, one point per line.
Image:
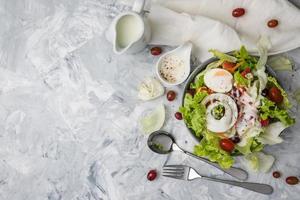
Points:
236	108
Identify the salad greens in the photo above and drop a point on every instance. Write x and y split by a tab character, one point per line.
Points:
210	148
223	56
193	112
240	80
258	162
275	116
199	82
245	59
271	134
268	109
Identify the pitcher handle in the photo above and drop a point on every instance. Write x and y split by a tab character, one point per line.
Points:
138	6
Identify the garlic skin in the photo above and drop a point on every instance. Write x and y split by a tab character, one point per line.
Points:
150	89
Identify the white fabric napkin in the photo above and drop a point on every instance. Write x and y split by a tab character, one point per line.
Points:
209	24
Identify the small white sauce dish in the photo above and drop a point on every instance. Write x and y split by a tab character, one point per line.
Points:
173	67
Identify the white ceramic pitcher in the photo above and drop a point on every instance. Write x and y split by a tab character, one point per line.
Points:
130	31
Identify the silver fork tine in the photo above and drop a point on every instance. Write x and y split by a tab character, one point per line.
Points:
179	173
175	166
174	171
180	178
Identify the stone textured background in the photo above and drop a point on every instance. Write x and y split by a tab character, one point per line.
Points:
69	113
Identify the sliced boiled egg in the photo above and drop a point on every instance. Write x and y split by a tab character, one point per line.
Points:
218	80
221	112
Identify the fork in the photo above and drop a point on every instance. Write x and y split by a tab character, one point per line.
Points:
187	173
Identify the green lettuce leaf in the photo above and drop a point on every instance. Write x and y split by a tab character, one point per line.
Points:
209	147
263	47
253	145
210	66
253	162
245	149
269	109
256	146
271	134
240	80
280	63
194	113
199	82
258	162
262	78
223	56
244	59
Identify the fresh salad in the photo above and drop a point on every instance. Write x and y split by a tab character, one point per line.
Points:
236	108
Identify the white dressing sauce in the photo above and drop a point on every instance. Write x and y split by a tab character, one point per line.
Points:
172	68
129	29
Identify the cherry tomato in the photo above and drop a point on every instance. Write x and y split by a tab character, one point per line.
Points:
227	145
246	71
171	95
275	95
276	174
264	122
272	23
229	66
151	175
155	51
292	180
238	12
178	115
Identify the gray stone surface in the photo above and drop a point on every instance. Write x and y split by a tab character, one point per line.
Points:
69	113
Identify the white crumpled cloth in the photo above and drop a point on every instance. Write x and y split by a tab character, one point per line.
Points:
209	24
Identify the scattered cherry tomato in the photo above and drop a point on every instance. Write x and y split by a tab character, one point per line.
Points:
155	51
264	122
152	174
178	115
292	180
272	23
238	12
276	174
246	71
229	66
275	95
171	95
227	145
